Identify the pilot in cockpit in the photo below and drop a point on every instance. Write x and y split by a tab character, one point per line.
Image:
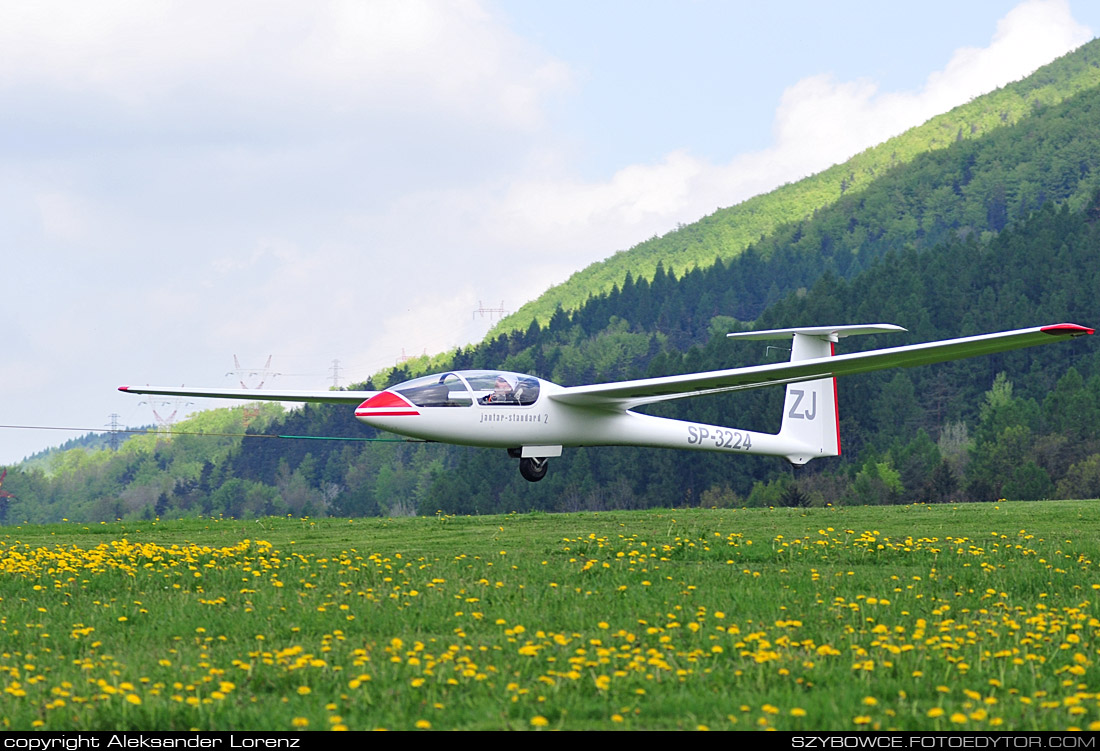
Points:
502	391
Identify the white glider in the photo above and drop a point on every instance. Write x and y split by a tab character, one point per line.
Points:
534	419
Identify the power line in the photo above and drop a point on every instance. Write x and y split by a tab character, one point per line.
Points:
215	434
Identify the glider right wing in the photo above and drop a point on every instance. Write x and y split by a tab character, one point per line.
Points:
629	394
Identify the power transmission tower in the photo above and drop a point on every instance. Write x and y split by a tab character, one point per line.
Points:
164	424
252	374
405	358
335	374
499	312
114	427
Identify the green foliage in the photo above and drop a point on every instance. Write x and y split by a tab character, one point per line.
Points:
877	483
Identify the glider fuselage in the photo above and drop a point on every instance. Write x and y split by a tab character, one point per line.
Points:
520	413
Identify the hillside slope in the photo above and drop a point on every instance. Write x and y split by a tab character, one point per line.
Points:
727	232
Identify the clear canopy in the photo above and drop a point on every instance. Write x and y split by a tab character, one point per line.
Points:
460	388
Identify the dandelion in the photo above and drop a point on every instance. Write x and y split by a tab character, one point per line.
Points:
539	721
423	725
300	722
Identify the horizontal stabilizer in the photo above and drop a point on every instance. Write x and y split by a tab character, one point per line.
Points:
831	332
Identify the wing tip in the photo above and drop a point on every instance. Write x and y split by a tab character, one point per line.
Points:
1062	329
123	388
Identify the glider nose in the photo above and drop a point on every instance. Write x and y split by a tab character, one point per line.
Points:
386	404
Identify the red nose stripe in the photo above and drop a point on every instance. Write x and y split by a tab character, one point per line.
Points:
386	404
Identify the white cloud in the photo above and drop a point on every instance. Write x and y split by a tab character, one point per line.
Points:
300	62
820	121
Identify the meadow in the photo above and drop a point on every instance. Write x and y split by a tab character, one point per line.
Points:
945	617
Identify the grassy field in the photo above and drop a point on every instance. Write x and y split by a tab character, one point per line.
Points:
968	617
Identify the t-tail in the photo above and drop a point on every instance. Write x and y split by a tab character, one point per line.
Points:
811	414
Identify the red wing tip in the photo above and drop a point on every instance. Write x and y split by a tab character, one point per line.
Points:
1066	328
123	388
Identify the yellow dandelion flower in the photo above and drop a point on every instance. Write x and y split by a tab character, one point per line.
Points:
304	690
935	712
539	721
958	718
423	725
133	698
300	722
798	712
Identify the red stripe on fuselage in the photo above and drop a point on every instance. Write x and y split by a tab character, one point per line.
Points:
836	400
383	414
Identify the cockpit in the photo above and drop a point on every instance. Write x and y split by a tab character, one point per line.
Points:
461	388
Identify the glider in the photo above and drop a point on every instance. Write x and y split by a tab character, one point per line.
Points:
533	419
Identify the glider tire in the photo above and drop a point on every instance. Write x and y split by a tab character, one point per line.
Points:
533	469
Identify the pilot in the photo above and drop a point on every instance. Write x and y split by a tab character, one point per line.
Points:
502	390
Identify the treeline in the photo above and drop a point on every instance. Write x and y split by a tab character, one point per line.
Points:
956	432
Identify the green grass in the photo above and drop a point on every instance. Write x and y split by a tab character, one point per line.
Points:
969	617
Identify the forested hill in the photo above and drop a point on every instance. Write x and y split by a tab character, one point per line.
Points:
953	432
987	234
727	232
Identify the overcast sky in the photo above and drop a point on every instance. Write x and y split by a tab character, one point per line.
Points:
182	182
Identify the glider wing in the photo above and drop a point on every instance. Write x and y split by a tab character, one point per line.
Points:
629	394
257	395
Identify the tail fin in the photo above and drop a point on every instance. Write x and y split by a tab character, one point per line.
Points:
810	411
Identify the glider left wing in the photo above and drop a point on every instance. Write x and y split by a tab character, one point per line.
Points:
256	395
628	394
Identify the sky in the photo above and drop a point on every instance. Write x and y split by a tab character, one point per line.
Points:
350	180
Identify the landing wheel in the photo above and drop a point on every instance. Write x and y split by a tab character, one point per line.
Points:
533	469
